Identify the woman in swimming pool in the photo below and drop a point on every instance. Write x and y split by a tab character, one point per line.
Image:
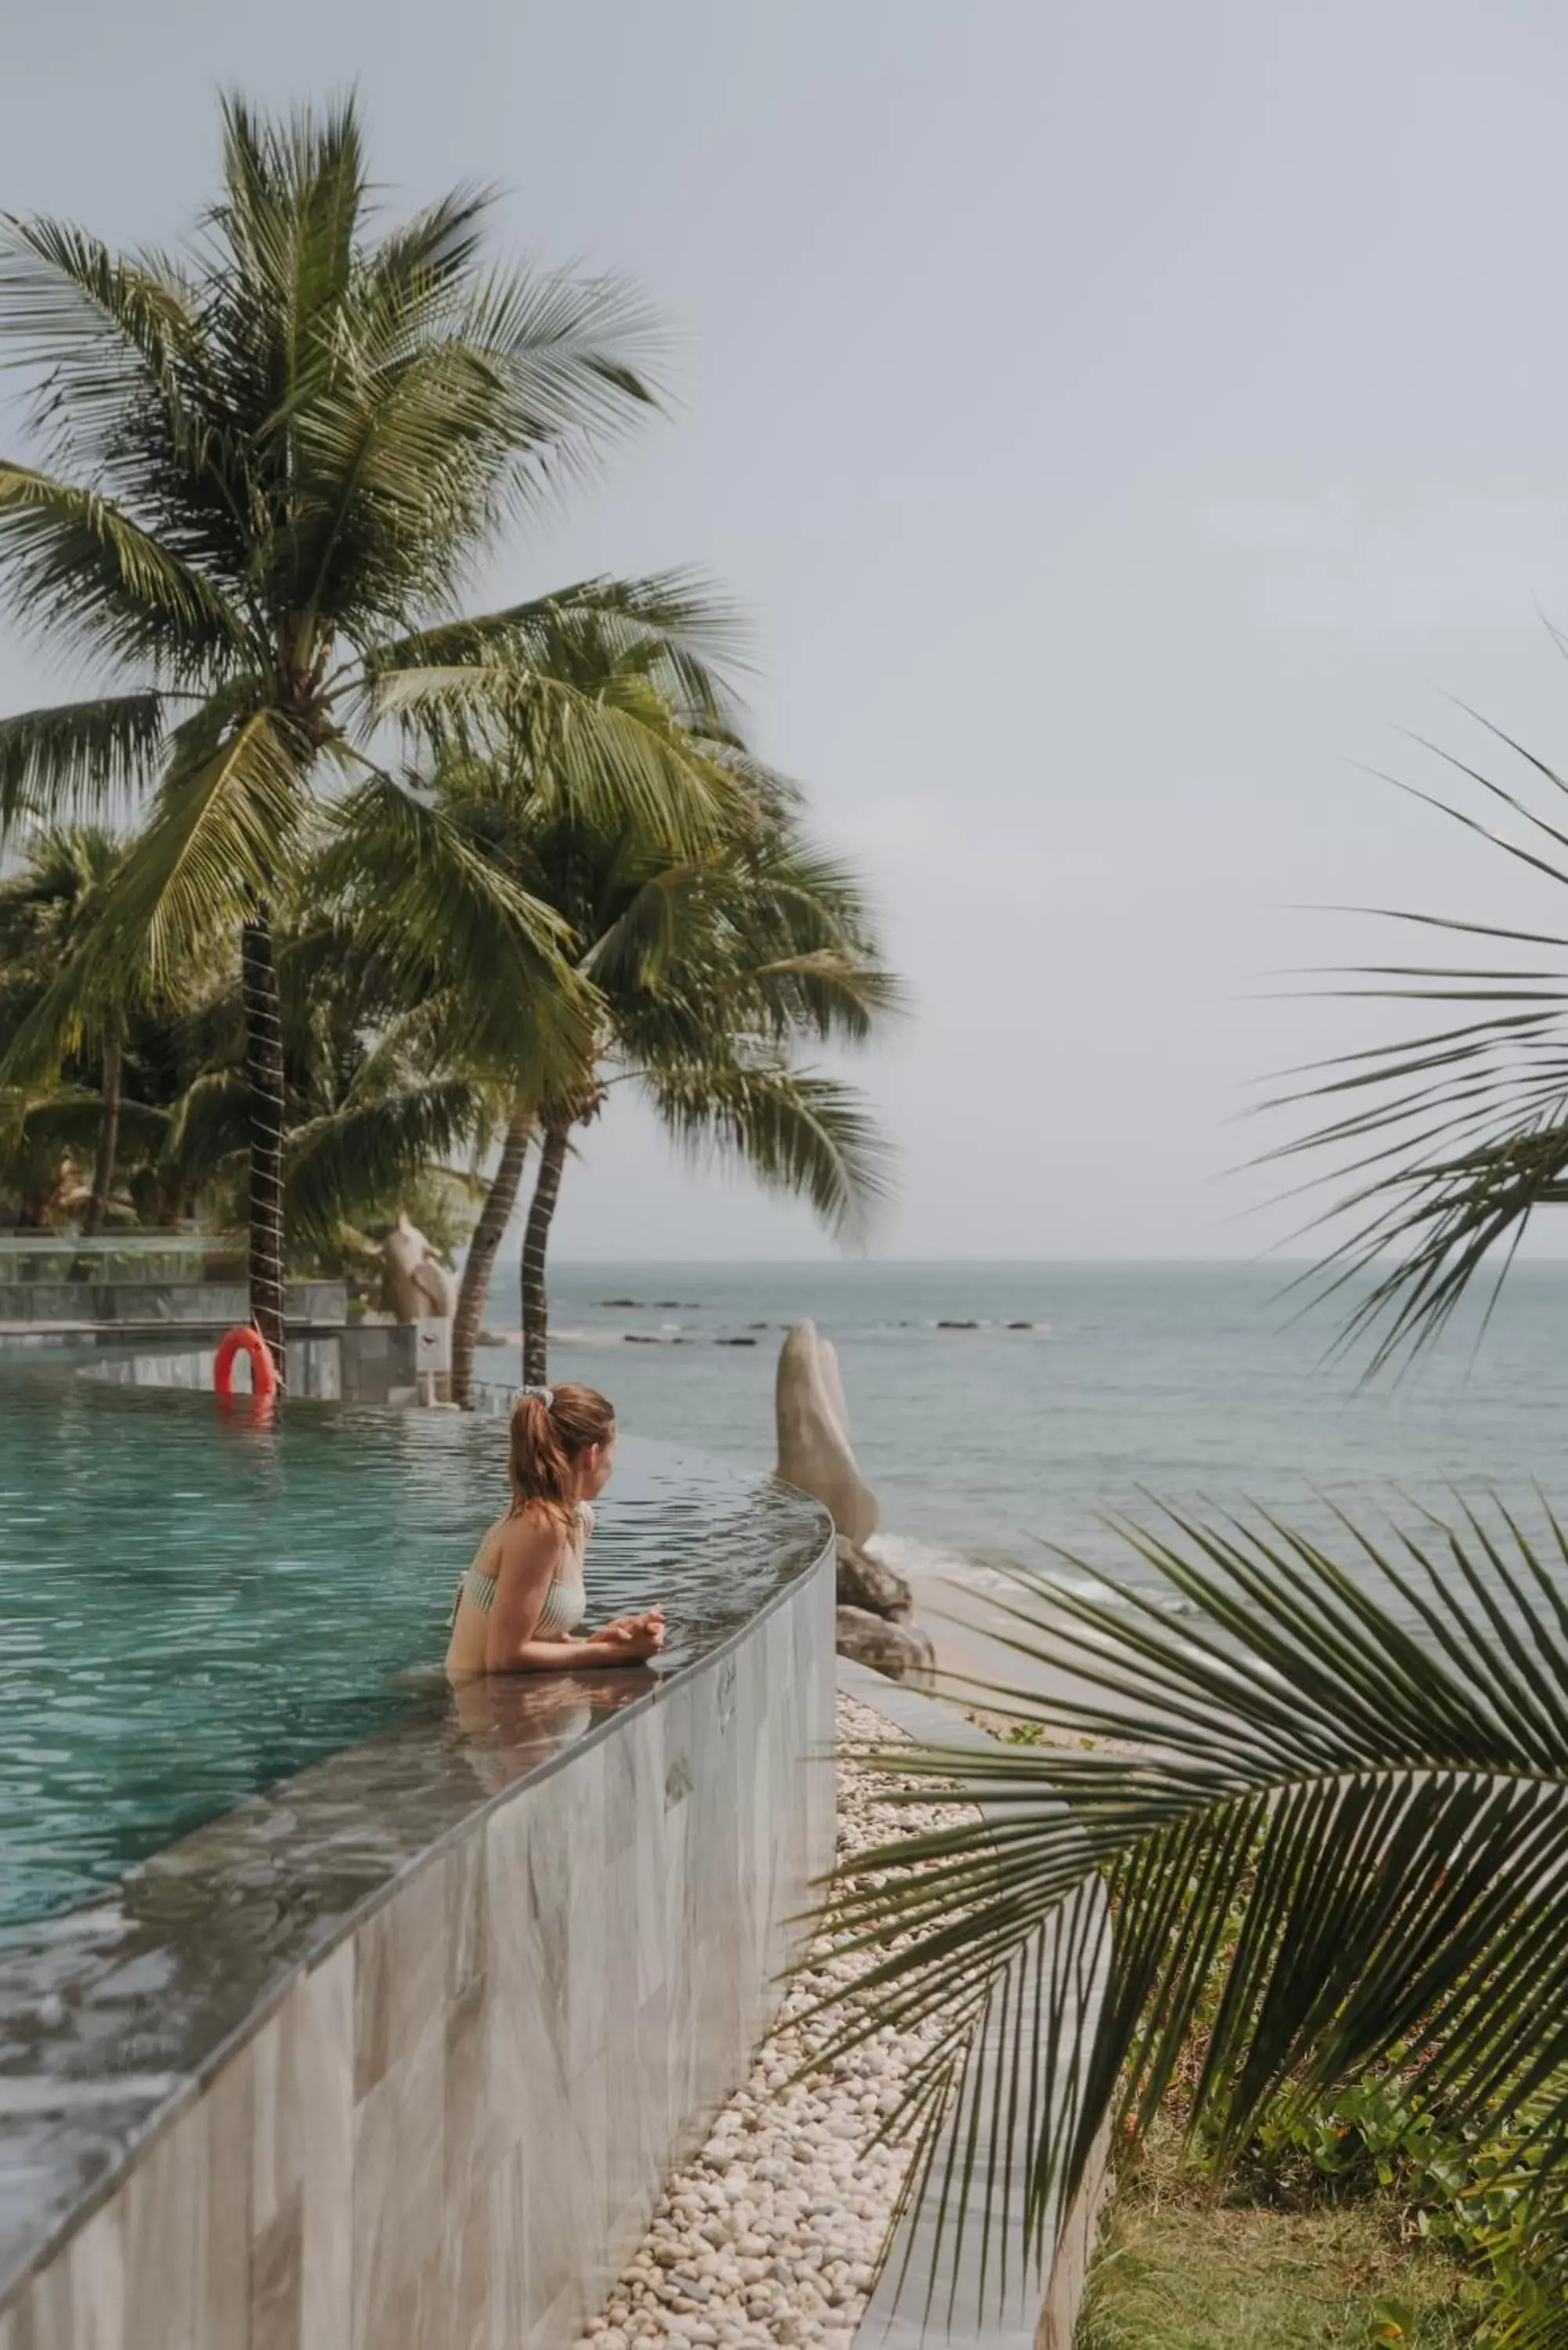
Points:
520	1604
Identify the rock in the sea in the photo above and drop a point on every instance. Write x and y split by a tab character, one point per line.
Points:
958	1325
814	1451
898	1650
1020	1325
734	1342
867	1583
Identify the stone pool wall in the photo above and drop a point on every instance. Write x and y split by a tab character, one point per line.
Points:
446	2126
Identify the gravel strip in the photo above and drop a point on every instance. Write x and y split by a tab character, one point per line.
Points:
772	2232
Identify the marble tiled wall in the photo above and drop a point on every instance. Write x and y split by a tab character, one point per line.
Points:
451	2132
205	1303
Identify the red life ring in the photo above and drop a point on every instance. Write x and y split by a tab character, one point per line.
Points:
244	1340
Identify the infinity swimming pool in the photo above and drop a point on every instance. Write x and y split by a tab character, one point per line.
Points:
191	1611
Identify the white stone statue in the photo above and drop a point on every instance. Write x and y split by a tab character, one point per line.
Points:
418	1283
814	1451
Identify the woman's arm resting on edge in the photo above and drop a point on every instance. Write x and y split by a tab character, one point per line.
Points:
530	1548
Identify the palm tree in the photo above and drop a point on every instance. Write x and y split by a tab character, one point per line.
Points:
268	468
1332	1829
706	969
1445	1142
47	908
371	1108
62	881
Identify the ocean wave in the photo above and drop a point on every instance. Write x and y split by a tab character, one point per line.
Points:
922	1561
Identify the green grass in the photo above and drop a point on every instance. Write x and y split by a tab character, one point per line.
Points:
1179	2268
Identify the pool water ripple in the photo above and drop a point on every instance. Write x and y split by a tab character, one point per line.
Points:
191	1611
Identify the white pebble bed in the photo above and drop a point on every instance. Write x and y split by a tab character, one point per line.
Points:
772	2233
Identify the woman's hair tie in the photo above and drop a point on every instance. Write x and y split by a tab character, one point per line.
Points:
541	1455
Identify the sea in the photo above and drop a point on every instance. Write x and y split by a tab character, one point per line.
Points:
1006	1412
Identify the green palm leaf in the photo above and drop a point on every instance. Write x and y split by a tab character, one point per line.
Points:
1440	1147
1361	1757
338	1165
80	569
437	913
798	1132
613	761
81	757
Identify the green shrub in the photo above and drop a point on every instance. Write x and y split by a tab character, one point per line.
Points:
1497	2202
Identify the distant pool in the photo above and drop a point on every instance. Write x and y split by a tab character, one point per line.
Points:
191	1611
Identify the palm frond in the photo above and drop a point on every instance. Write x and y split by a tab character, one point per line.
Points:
1438	1147
436	912
81	757
1333	1821
228	816
224	815
798	1132
69	1119
76	568
339	1166
613	761
675	628
209	1129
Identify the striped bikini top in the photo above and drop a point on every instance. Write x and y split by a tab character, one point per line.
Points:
566	1603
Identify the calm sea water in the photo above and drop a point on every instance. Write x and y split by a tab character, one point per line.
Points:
1181	1379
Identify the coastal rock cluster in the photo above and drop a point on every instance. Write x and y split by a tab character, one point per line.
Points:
775	2231
875	1603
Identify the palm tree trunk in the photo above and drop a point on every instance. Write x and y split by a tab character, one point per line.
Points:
107	1135
535	1242
264	1075
488	1234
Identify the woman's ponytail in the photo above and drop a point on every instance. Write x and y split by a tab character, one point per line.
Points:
551	1428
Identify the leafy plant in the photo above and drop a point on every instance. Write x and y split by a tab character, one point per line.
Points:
1485	2196
1334	1825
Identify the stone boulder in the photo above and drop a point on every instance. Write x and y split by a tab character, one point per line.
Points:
900	1650
865	1583
814	1451
418	1284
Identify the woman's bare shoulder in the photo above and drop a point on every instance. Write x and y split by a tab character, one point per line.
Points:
524	1540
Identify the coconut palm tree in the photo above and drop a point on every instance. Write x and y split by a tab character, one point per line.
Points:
266	469
56	896
1331	1826
706	970
371	1108
47	908
1441	1146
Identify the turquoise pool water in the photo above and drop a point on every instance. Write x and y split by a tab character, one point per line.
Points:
191	1611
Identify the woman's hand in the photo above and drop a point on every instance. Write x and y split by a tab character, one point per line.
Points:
634	1637
632	1622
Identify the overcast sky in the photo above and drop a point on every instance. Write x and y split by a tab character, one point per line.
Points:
1120	420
